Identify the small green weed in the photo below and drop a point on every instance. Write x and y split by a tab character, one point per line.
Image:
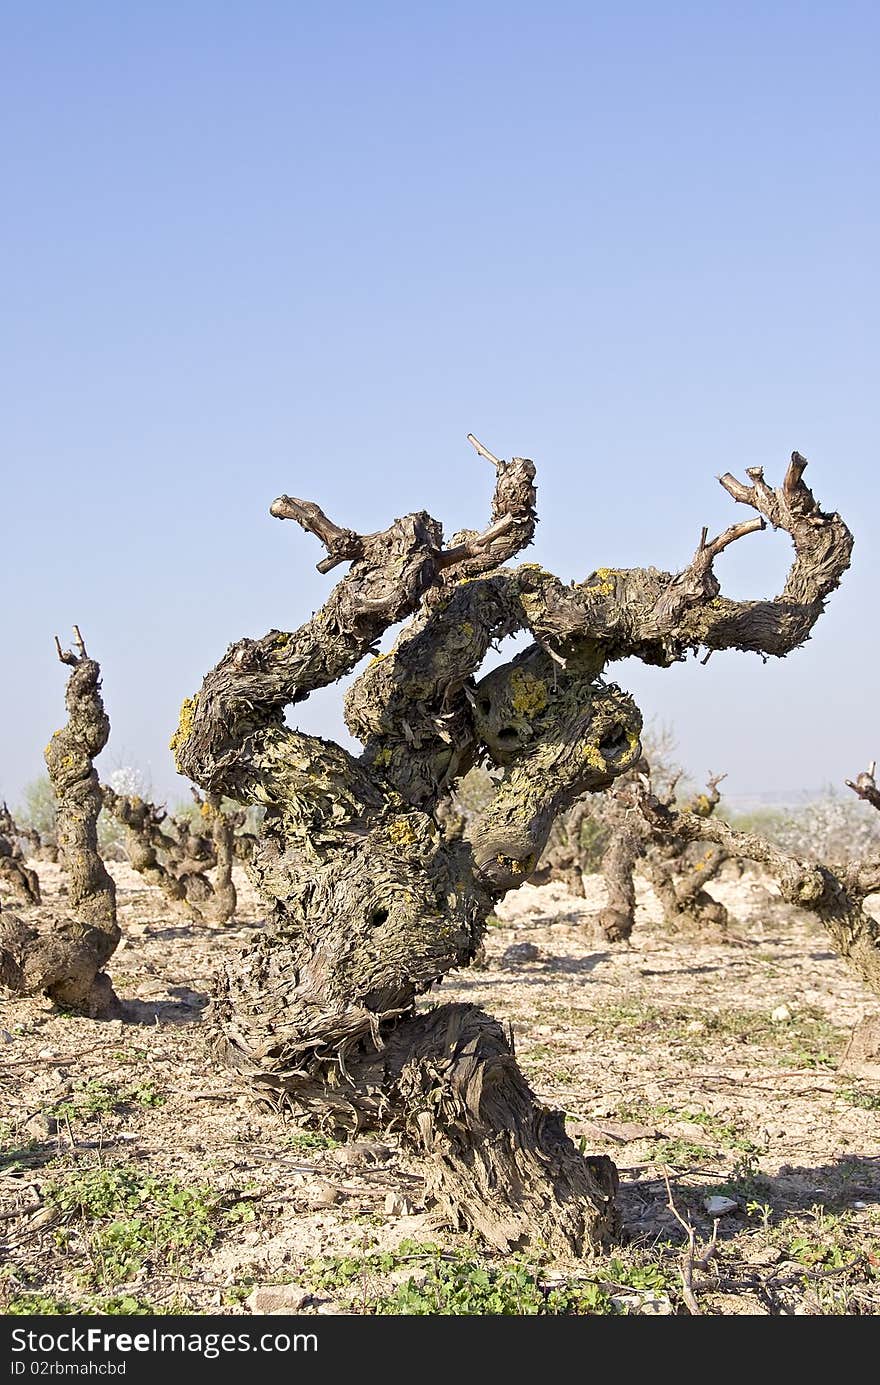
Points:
40	1305
823	1243
126	1217
862	1098
763	1210
92	1099
305	1141
462	1285
746	1183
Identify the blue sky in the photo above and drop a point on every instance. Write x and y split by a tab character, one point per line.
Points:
266	247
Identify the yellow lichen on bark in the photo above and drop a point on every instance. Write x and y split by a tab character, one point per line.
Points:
605	584
401	832
184	727
528	693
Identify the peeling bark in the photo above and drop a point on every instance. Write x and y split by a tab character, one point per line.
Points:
371	900
14	870
676	873
143	839
66	960
835	895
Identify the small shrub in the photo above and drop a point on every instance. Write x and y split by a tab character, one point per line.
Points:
37	808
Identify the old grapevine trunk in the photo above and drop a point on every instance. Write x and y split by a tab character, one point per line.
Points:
180	876
677	875
65	957
836	895
371	901
142	823
14	870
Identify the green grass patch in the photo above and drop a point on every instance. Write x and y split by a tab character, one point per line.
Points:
117	1219
307	1141
821	1243
93	1099
720	1134
861	1098
40	1305
462	1284
808	1039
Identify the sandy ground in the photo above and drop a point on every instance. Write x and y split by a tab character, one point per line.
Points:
135	1177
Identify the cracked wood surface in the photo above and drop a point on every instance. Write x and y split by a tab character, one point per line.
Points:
371	901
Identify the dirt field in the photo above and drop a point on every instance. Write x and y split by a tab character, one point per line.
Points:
134	1178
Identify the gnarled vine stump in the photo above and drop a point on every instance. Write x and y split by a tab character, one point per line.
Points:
835	894
144	840
65	957
371	903
676	872
176	861
14	870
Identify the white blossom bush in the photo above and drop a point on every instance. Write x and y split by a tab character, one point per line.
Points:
832	828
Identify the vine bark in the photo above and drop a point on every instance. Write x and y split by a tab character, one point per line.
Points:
371	901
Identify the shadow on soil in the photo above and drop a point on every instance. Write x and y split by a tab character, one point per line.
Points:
529	973
187	1008
790	1193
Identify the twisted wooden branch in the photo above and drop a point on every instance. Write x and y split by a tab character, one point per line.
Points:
370	903
65	958
835	896
14	870
866	786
